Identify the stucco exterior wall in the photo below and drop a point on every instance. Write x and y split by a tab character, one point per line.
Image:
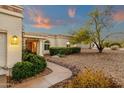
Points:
61	42
52	41
13	26
55	40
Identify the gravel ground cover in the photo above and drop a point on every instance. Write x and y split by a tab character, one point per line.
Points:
110	62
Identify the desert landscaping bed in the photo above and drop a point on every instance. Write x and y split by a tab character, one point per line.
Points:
110	62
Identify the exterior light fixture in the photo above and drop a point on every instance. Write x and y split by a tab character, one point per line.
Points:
14	40
68	44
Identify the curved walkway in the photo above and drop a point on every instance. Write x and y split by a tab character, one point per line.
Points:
59	74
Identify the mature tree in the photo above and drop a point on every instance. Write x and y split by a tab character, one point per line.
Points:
100	20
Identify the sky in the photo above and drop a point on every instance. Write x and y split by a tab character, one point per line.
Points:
64	19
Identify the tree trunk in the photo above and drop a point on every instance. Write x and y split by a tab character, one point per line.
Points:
100	50
99	47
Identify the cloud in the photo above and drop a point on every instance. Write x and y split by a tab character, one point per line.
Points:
60	22
39	21
118	16
72	12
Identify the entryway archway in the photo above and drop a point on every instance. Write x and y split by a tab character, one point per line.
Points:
32	45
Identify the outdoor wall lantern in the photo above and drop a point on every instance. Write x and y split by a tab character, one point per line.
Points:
68	44
14	40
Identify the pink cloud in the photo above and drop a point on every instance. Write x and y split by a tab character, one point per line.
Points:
118	16
39	20
71	12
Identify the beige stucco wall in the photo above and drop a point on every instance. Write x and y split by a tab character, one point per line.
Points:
13	26
52	40
61	42
56	42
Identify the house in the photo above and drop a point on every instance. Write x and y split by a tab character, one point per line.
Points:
10	31
13	39
40	42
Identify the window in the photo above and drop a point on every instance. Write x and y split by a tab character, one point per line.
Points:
46	45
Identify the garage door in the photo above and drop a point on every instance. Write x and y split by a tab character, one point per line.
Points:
3	53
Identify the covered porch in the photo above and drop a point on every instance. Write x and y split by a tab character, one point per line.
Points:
34	44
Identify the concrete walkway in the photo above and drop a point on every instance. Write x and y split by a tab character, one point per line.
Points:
59	74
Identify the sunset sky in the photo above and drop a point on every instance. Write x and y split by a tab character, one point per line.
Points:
64	19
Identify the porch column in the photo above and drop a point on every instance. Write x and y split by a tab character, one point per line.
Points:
24	43
41	48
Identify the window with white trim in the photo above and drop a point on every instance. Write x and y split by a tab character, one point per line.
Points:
46	45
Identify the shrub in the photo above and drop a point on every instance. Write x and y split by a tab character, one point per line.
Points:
115	44
110	44
63	50
114	47
39	63
22	70
122	45
32	65
25	54
92	79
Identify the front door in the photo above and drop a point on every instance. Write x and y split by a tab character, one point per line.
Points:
31	45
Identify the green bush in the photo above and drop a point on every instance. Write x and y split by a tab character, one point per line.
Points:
110	44
64	50
38	64
22	70
25	54
114	47
113	44
92	79
122	45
